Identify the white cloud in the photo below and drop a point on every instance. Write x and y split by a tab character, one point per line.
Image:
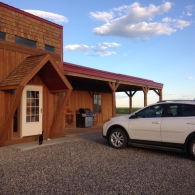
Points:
190	78
101	16
101	54
134	21
181	24
189	10
76	47
168	94
48	15
100	49
177	23
104	46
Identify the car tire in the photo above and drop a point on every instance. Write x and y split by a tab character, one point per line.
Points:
192	148
118	138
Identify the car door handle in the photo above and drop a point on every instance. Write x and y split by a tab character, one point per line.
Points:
156	122
190	123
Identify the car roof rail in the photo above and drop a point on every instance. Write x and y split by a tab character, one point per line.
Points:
176	101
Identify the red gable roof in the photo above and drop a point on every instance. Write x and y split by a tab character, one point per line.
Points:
108	75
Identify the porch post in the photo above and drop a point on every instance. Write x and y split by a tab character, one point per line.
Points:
113	87
145	91
56	119
5	131
130	94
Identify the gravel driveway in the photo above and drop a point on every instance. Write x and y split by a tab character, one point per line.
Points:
91	166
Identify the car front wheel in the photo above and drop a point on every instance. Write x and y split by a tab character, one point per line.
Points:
118	138
192	148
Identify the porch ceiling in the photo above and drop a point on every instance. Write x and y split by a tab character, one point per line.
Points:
85	78
88	84
51	78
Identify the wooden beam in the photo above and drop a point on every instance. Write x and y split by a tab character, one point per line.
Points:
5	131
56	91
130	94
4	88
26	50
145	91
113	87
56	120
91	94
159	93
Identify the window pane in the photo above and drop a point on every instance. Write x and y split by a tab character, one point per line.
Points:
37	110
179	110
49	48
37	94
193	111
187	110
37	102
28	119
32	106
27	42
2	35
151	112
28	94
28	111
97	103
37	118
32	118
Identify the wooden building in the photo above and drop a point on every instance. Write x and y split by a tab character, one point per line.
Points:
39	92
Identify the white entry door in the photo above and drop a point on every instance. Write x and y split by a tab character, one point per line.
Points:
31	111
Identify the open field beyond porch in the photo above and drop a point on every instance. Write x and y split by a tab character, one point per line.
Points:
90	166
125	110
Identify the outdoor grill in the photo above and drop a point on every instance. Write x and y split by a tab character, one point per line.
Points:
85	118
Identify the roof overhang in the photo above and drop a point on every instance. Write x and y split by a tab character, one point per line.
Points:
42	65
84	78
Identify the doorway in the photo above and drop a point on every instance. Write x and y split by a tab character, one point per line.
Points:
31	110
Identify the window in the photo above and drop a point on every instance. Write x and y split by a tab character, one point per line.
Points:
27	42
180	110
151	112
49	48
32	106
97	103
2	35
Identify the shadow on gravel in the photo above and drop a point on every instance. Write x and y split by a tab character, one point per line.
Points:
176	154
98	139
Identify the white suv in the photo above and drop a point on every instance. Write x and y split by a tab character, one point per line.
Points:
168	124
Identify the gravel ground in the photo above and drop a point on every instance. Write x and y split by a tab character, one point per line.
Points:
91	166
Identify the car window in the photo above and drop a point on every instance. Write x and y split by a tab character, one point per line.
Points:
151	112
180	110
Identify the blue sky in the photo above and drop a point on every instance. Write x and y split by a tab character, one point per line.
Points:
149	39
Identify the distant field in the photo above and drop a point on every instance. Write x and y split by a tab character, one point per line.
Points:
124	110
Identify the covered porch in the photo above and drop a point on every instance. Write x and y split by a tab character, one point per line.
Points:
97	81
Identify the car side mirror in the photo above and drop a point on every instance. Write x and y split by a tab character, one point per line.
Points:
133	116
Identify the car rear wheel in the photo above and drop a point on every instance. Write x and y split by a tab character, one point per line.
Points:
118	138
192	148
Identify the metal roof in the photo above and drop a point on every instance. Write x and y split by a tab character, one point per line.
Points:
72	69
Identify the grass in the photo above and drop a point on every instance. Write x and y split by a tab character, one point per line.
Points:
124	110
